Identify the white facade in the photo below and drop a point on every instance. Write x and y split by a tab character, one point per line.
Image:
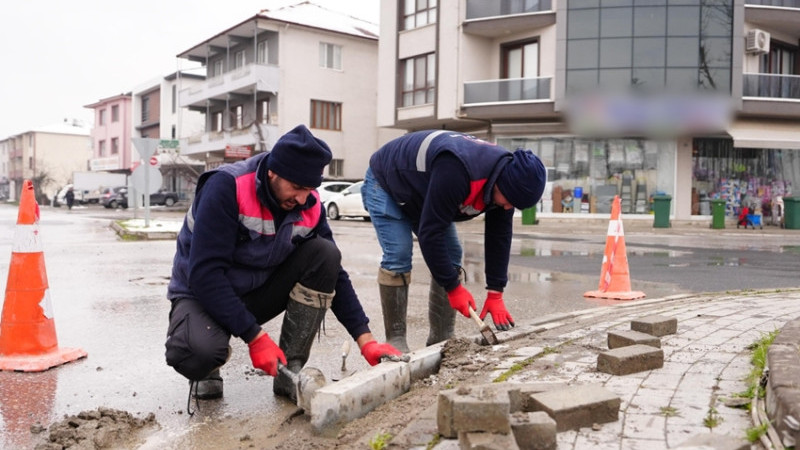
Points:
270	73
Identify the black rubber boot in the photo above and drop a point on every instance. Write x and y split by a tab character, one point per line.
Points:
209	387
393	289
301	323
441	316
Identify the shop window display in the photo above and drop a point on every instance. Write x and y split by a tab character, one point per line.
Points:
585	175
756	179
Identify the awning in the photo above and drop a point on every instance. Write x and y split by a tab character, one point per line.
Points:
752	134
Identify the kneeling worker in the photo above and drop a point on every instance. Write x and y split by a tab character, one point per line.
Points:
256	243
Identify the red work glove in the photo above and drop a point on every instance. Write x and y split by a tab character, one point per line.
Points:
373	351
265	354
494	306
461	300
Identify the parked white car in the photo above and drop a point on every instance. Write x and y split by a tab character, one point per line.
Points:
329	189
347	204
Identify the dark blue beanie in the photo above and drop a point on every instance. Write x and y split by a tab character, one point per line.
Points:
300	157
522	180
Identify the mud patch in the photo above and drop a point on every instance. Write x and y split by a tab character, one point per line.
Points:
96	429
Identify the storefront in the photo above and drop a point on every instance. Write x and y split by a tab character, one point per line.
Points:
585	175
756	178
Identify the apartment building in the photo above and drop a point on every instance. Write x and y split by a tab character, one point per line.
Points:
156	114
301	64
111	134
695	99
46	155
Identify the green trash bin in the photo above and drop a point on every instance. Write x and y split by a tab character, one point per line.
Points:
529	216
661	211
791	213
717	214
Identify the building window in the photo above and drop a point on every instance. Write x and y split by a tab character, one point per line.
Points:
238	114
521	60
238	59
174	132
649	46
330	56
115	113
262	53
216	68
263	111
114	146
336	168
326	115
417	13
174	98
101	117
216	122
101	148
419	80
145	109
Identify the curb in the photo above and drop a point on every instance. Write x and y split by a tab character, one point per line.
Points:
126	234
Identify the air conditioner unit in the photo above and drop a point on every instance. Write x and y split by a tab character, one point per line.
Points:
757	41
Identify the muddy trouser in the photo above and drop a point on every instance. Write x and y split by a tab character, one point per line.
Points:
196	344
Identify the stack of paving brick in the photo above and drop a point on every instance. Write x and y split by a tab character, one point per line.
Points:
639	349
512	416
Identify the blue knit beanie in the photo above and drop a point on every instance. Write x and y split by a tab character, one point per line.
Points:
300	157
522	180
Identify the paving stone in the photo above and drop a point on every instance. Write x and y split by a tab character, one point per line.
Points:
577	406
630	359
533	430
655	325
469	410
709	441
625	338
486	441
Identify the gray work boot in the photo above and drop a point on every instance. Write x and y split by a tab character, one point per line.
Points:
301	321
393	288
209	387
441	316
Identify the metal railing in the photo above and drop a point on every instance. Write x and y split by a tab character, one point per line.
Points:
775	3
479	9
771	86
507	90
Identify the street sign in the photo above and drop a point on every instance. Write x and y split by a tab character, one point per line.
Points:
146	184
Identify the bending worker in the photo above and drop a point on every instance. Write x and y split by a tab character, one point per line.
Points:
256	243
422	183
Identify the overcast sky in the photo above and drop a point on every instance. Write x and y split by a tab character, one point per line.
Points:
60	55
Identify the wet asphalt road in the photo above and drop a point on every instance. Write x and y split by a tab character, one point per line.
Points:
109	300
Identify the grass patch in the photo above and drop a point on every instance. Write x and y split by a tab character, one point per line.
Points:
759	361
754	434
669	411
517	367
434	442
712	419
380	441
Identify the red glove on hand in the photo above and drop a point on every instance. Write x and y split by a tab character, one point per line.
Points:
461	300
265	354
494	306
373	351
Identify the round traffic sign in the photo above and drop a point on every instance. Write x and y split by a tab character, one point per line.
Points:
154	160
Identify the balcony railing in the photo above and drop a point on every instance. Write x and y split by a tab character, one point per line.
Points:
479	9
263	77
507	90
771	86
775	3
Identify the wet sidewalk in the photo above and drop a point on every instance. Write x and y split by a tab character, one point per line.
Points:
706	363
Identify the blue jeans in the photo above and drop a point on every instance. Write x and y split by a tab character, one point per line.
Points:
394	228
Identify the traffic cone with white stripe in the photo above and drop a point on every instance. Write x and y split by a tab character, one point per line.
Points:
28	340
615	279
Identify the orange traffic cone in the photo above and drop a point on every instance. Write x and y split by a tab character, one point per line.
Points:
27	329
615	280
